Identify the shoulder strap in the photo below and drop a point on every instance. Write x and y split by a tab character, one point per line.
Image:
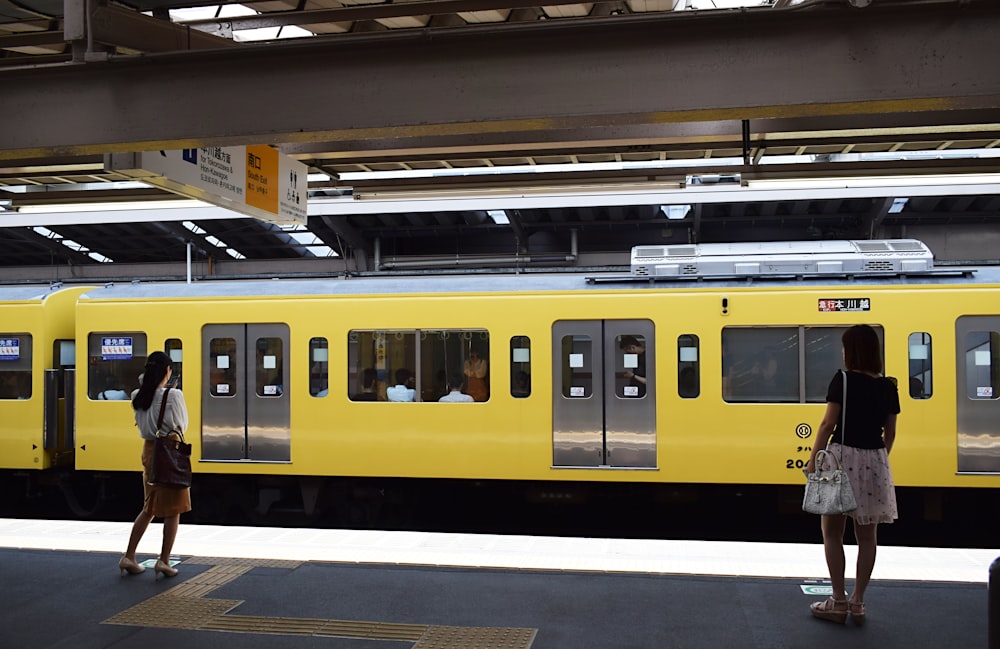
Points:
163	408
843	416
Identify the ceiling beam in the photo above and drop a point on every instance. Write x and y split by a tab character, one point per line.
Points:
517	81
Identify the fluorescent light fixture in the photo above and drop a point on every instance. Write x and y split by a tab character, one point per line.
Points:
897	205
598	189
110	207
498	216
675	212
72	245
848	182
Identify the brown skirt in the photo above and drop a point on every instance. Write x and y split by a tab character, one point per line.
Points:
161	502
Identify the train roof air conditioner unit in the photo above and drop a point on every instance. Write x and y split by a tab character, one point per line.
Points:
787	258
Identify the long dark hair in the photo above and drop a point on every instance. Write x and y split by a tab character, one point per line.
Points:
156	369
862	350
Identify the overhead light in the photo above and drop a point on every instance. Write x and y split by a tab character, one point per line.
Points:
897	205
109	207
598	189
849	182
498	216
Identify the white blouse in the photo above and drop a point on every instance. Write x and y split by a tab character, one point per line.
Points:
175	417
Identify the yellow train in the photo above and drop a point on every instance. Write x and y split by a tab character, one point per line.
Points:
694	380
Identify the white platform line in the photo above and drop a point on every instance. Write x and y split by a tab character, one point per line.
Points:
791	560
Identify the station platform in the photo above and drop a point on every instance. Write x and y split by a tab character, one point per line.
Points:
279	588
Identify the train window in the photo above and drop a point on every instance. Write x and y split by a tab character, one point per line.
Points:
114	362
270	361
453	359
175	351
981	364
630	374
577	369
919	345
393	357
688	367
223	363
824	355
319	367
520	366
15	366
760	364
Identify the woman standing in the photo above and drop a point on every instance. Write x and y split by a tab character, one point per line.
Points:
870	426
163	502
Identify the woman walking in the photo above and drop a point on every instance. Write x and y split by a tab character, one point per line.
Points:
867	437
163	502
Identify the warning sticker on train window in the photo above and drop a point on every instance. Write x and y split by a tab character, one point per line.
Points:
116	349
10	349
845	304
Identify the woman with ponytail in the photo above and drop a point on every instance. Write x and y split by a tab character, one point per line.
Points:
163	502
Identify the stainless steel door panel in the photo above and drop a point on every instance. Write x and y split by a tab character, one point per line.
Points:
268	410
630	421
223	402
978	405
596	420
577	394
246	416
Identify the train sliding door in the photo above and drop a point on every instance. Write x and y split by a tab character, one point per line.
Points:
245	403
603	396
978	342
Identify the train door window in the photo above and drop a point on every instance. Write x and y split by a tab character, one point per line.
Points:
223	369
919	354
270	359
64	357
15	366
520	367
760	364
688	367
577	367
175	351
981	364
114	362
319	367
630	372
393	356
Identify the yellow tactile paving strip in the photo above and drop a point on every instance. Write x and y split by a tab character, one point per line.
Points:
185	606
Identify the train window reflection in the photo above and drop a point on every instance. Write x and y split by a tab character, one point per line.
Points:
175	351
319	367
520	367
577	367
391	355
760	364
981	364
824	355
270	361
919	354
15	366
688	367
222	371
114	362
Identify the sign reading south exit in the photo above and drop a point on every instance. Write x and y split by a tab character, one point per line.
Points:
256	180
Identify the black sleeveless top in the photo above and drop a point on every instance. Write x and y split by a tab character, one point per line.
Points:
870	401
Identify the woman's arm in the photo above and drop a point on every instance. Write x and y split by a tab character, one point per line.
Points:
889	432
825	432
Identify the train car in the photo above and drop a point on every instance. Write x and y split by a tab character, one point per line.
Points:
711	379
37	354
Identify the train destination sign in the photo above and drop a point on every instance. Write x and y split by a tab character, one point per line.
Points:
254	180
845	304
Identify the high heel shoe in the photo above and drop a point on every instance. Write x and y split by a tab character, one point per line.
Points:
827	610
130	567
165	569
857	612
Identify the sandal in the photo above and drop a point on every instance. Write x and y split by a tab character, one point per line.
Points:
827	610
857	610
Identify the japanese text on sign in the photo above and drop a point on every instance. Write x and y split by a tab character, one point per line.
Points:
116	349
845	304
10	349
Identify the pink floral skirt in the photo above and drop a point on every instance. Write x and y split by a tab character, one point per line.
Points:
871	480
